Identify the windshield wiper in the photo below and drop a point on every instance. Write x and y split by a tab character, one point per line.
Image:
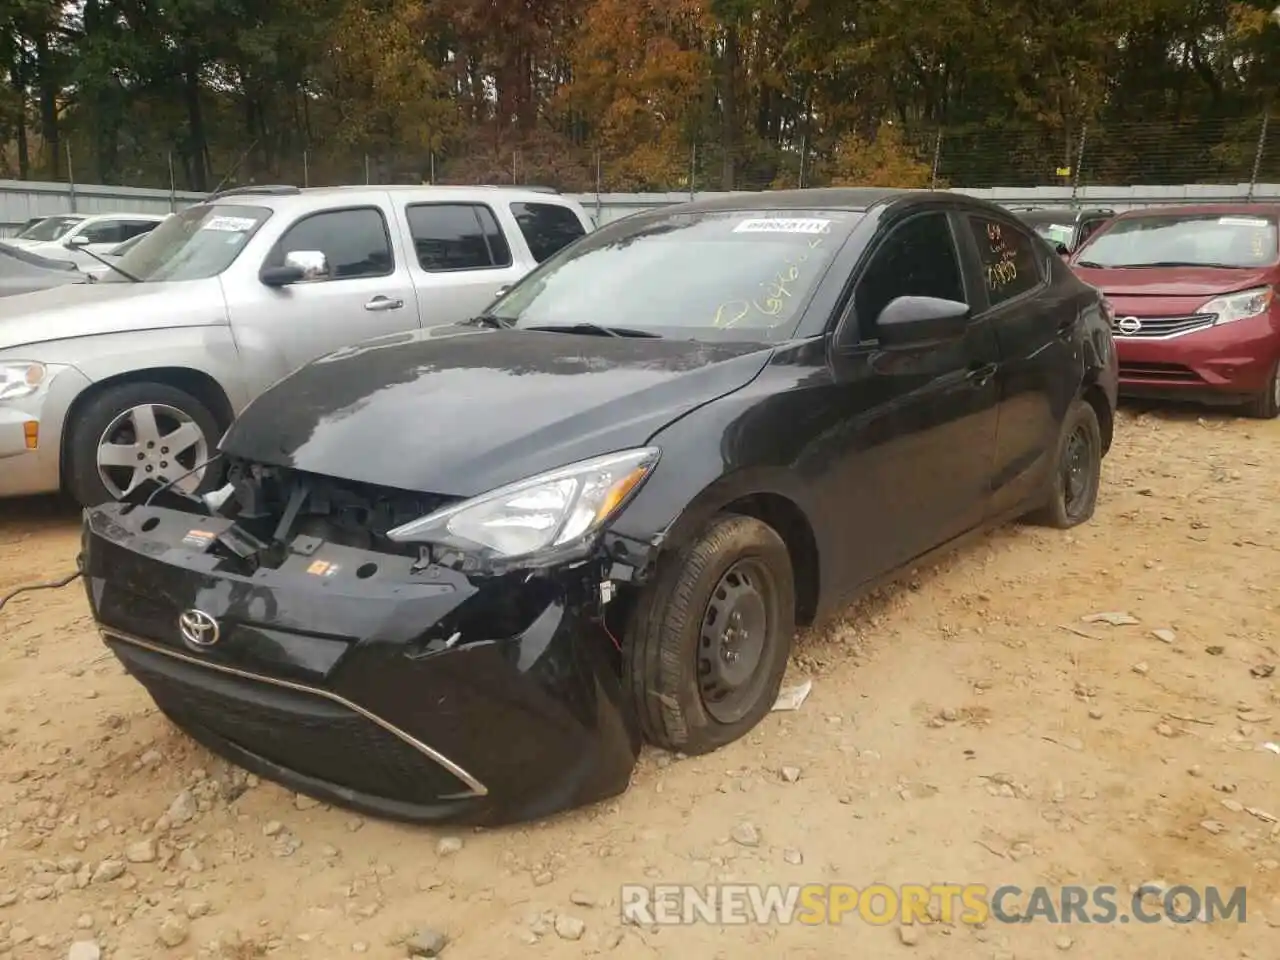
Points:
111	266
598	329
1089	264
1177	263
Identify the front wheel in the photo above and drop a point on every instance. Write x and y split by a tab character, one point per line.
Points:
708	643
1266	405
137	432
1077	471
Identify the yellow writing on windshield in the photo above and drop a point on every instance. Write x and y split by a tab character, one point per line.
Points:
776	292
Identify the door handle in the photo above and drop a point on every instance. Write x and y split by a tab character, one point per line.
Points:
980	374
378	304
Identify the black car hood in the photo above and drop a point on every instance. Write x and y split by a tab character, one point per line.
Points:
460	410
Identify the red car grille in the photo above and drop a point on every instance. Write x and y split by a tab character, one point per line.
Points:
1160	326
1157	372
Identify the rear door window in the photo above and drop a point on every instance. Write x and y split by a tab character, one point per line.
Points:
547	227
457	236
1010	263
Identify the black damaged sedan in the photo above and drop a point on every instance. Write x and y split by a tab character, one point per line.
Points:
463	573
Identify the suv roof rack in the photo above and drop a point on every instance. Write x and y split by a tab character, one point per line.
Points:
520	186
263	190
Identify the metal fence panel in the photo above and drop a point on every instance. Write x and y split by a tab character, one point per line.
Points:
21	200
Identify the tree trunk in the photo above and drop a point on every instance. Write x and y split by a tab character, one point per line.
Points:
729	106
48	108
197	145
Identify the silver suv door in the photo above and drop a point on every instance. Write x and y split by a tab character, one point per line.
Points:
364	289
461	257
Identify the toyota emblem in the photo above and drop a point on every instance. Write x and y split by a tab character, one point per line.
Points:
198	628
1129	325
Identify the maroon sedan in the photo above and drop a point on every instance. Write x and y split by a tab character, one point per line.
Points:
1193	294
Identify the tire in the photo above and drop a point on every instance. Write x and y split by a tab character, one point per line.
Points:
667	661
1070	505
1266	405
108	416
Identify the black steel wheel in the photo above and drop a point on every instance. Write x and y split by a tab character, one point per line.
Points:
708	642
1077	471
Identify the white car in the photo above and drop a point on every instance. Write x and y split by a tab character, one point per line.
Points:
75	236
135	376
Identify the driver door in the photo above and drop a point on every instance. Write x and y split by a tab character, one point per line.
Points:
922	419
366	290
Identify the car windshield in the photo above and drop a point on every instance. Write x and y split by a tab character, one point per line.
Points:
195	244
1055	232
121	249
49	229
1184	240
717	275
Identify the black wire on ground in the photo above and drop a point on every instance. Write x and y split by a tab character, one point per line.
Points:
49	585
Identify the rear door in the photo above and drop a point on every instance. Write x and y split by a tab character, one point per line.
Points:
1033	323
460	258
367	291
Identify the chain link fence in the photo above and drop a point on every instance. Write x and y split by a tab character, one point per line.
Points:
1237	152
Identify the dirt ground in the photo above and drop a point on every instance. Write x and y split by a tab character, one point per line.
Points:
967	726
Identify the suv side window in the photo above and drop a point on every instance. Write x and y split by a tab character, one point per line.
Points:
1010	263
917	259
132	228
457	236
106	231
354	241
547	227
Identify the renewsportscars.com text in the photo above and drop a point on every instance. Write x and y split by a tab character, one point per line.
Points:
879	904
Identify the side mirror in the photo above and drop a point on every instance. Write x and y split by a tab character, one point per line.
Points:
80	240
909	322
1063	250
300	266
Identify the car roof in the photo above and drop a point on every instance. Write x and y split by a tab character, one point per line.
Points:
1058	214
118	216
853	199
1255	208
304	198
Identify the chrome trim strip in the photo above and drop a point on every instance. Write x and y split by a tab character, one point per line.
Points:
478	789
1206	325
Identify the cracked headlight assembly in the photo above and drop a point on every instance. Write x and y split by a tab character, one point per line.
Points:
549	512
18	380
1239	306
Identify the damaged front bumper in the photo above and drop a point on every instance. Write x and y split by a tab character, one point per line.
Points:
408	691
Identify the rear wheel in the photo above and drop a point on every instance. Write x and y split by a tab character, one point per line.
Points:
1077	471
1266	405
708	643
135	432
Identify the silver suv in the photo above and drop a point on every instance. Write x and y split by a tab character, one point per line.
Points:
107	385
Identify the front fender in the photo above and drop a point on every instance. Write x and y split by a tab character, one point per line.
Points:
209	350
720	453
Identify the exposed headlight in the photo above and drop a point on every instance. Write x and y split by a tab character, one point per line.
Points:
553	510
19	380
1240	306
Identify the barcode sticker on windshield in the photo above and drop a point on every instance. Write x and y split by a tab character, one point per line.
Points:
784	225
229	224
1243	222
